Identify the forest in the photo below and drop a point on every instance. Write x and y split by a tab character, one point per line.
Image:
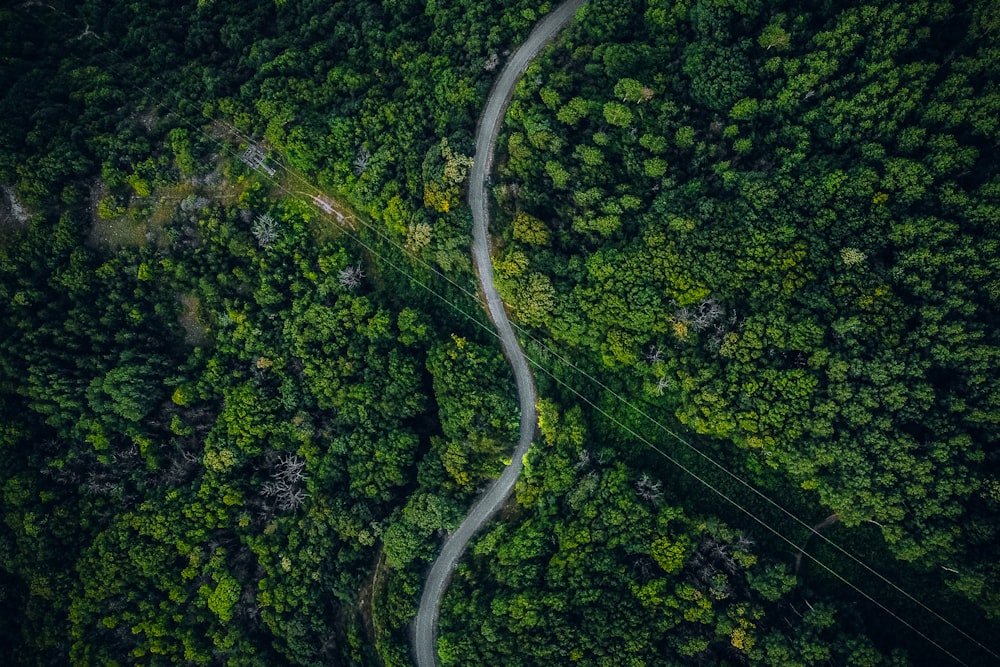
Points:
751	250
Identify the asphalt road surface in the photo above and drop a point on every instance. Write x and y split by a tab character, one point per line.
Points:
425	623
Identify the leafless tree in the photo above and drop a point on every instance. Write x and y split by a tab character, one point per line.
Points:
662	384
352	276
648	489
682	315
290	469
99	483
719	332
193	203
539	352
247	607
265	230
654	355
64	475
584	489
126	454
292	500
285	486
491	62
86	31
182	466
272	488
286	496
361	160
722	555
328	644
714	568
708	313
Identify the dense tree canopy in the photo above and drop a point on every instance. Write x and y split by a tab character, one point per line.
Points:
600	568
217	410
234	428
781	218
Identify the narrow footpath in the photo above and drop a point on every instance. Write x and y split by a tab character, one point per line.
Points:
425	623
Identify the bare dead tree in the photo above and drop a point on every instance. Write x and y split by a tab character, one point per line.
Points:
49	446
654	355
86	31
290	469
193	203
352	276
265	230
183	464
247	607
647	489
718	549
583	489
285	486
361	160
328	644
99	483
708	313
701	574
126	454
662	384
714	569
292	500
721	555
273	489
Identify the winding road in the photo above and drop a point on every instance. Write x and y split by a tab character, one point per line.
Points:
425	623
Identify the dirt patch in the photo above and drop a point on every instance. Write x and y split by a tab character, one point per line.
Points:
12	214
366	597
143	220
121	232
190	319
167	201
121	226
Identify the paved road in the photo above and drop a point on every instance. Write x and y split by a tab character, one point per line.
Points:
425	623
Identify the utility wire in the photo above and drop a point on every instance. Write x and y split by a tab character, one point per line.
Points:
525	333
746	511
357	239
160	100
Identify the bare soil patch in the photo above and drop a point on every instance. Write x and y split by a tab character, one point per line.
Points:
12	214
190	319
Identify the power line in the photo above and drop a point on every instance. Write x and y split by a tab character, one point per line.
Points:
674	461
768	499
625	401
660	425
714	462
270	175
746	511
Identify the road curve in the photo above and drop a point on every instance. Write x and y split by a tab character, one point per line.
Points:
425	623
